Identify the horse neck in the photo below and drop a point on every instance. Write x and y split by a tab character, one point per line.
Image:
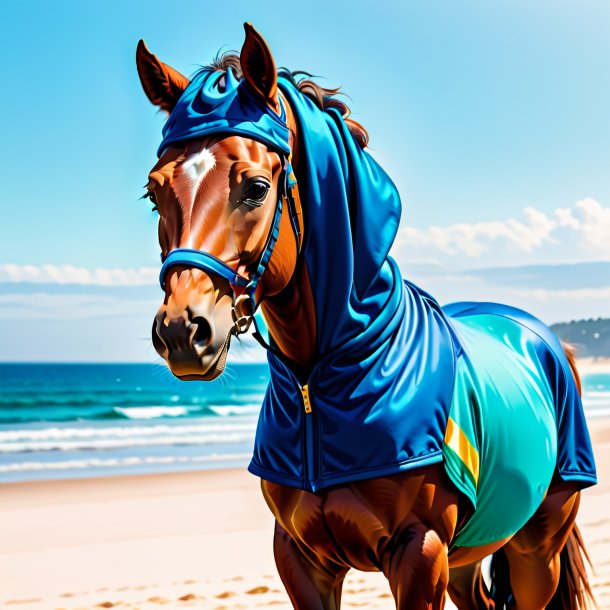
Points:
290	317
290	314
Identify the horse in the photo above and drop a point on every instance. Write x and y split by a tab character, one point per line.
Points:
395	435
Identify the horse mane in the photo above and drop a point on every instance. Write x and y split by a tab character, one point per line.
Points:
323	97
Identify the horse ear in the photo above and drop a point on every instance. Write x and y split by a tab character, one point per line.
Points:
258	67
162	84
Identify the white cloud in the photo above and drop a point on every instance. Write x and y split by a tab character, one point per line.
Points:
69	274
549	304
44	306
88	312
595	225
572	234
577	234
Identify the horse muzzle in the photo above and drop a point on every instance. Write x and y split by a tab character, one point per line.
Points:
190	346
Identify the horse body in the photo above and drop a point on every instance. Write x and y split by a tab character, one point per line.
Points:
415	524
400	525
372	447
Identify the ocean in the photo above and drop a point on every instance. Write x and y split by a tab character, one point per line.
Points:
61	421
82	420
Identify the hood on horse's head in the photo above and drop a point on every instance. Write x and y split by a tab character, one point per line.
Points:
348	198
344	191
350	205
217	103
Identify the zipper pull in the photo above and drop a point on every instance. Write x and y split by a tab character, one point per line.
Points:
306	401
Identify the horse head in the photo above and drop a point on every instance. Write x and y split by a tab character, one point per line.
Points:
224	234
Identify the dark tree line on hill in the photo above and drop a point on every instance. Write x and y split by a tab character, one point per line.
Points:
591	338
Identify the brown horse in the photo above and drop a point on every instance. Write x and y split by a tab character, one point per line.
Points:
215	194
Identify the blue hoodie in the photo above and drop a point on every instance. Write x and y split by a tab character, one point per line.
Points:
400	382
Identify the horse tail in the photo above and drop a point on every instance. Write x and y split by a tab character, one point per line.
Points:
500	590
570	352
574	589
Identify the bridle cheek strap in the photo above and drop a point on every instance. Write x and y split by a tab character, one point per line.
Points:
247	302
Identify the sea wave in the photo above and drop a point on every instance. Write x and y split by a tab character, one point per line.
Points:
109	437
151	412
594	402
227	410
57	433
60	397
597	394
121	443
95	412
94	463
599	412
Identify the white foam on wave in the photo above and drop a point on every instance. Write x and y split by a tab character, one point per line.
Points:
595	402
598	413
117	462
597	394
151	412
58	433
122	443
225	410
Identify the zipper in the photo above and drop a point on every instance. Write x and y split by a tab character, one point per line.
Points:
306	401
309	424
311	453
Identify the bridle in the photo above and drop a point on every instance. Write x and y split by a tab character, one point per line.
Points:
246	301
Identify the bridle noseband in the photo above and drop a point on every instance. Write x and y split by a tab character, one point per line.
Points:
247	302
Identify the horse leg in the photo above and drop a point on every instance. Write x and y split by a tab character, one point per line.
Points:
310	584
533	553
467	588
416	567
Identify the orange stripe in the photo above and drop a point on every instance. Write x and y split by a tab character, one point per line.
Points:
457	440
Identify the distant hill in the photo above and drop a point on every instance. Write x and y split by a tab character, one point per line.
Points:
590	337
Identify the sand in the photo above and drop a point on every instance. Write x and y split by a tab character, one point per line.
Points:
191	540
593	366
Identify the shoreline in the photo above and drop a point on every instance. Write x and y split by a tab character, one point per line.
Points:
191	539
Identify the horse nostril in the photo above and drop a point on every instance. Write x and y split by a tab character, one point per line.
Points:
157	341
203	334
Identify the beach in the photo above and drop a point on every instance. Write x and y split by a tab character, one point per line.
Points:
593	366
198	540
187	540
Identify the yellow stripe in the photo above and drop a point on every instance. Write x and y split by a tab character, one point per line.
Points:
457	440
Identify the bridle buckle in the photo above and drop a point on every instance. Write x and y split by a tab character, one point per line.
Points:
242	313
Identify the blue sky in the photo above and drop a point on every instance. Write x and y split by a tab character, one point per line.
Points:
491	117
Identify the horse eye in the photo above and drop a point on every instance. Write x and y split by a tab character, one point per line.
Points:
256	193
152	197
